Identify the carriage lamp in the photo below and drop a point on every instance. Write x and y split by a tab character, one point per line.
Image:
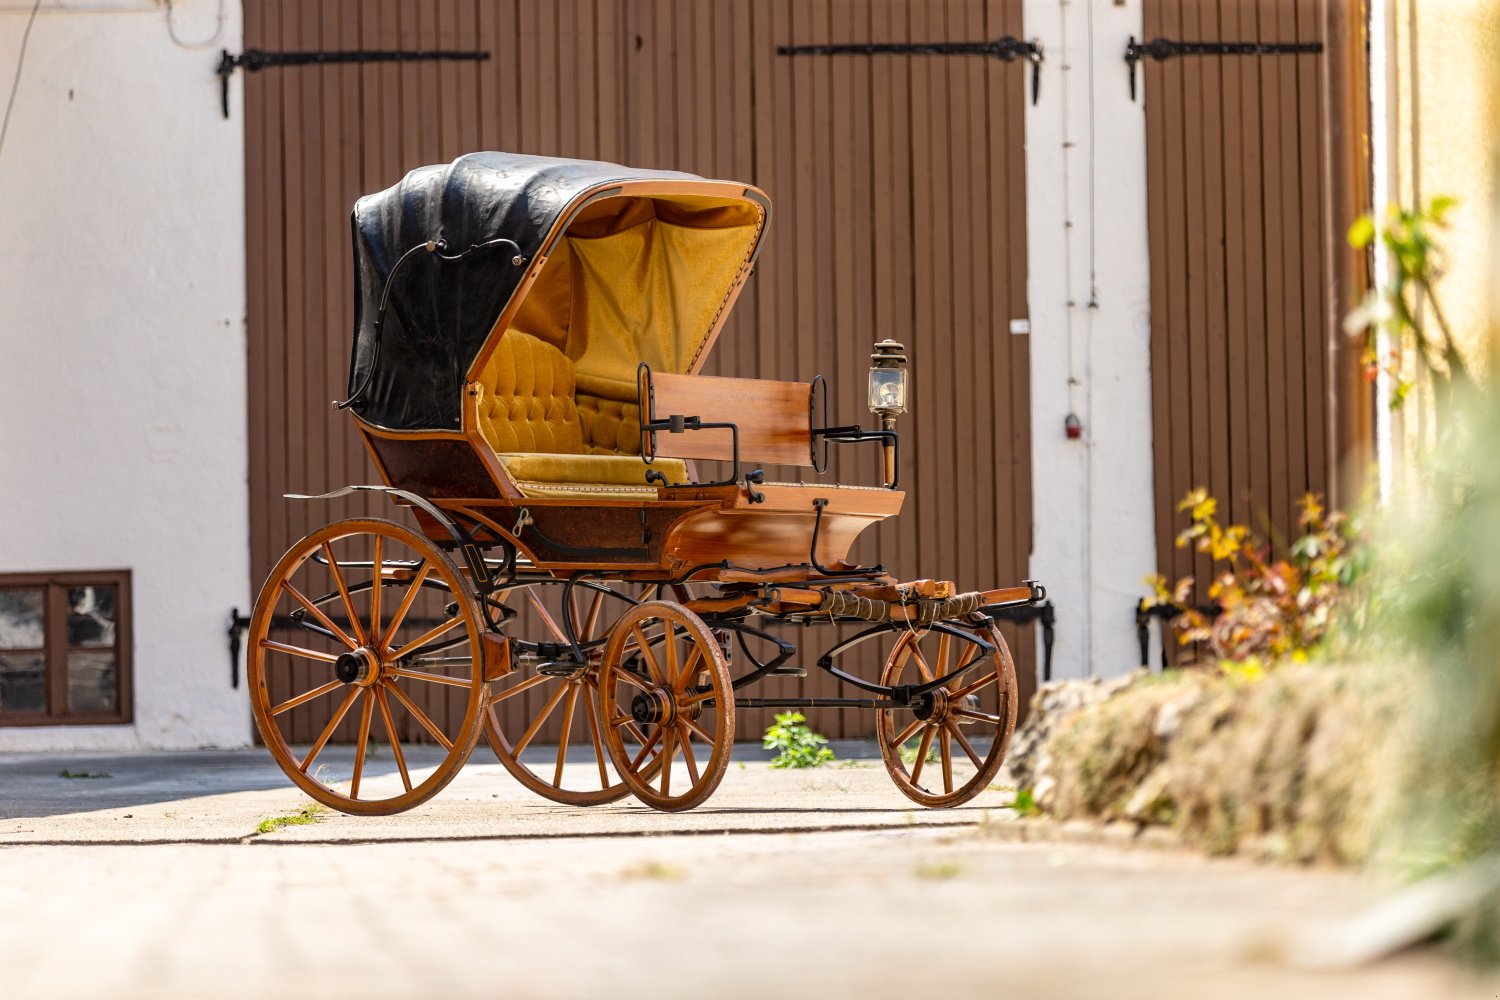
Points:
888	396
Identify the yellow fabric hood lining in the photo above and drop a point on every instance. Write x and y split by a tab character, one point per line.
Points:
639	278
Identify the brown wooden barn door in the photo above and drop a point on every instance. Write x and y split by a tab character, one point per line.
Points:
1238	280
898	184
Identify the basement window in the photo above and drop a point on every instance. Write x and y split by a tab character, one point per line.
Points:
65	648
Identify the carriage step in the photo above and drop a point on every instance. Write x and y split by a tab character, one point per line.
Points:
788	671
561	668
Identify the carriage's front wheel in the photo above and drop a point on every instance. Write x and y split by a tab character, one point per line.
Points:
365	632
664	689
946	750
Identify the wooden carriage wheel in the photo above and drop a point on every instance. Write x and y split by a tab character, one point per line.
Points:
360	656
664	685
574	695
957	741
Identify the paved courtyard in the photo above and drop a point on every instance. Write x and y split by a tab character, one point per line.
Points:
156	882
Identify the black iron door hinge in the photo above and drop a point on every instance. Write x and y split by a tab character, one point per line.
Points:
1162	49
1007	49
255	60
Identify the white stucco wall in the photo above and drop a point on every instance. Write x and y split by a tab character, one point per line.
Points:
1089	289
122	346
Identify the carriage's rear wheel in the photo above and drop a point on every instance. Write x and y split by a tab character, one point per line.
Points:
540	689
371	637
668	705
947	750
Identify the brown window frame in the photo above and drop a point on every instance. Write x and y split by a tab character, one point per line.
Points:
55	649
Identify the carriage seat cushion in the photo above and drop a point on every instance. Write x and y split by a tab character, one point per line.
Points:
528	403
600	470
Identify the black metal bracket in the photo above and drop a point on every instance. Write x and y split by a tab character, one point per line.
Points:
1162	49
255	60
1163	613
1043	613
1006	49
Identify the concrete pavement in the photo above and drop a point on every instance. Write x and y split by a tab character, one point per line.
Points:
155	883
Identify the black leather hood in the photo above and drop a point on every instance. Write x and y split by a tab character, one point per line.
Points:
440	313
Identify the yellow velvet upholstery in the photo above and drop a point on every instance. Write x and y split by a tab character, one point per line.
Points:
604	470
610	426
528	399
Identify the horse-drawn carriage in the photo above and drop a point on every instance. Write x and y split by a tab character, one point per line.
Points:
528	333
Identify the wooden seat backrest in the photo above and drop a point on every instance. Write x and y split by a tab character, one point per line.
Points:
774	418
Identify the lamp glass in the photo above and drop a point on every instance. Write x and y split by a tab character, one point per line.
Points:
887	390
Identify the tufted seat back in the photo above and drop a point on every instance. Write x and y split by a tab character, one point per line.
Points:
528	403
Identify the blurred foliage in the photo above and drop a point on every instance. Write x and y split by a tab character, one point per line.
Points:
1267	607
1432	606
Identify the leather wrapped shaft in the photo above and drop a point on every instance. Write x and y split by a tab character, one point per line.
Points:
841	602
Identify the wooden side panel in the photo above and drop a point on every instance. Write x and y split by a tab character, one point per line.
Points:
1239	332
773	418
898	186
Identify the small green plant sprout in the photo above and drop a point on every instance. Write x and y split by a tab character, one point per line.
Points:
795	744
311	813
653	871
1025	803
65	773
939	870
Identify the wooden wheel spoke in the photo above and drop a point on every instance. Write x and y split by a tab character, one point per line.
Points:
591	713
654	667
343	588
916	769
436	632
366	713
965	713
906	734
306	696
647	745
430	678
945	749
667	752
685	741
306	654
669	654
942	654
695	730
327	734
688	671
632	679
377	583
562	740
390	732
412	590
420	716
922	667
536	724
963	742
545	615
317	613
591	622
529	682
973	686
636	733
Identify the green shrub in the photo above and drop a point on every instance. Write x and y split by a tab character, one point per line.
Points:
795	744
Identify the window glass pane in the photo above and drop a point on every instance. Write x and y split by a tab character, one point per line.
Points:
91	616
91	682
23	682
21	618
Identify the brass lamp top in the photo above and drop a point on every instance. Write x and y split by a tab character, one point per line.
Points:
888	354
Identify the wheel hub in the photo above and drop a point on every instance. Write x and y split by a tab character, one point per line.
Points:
653	708
360	666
